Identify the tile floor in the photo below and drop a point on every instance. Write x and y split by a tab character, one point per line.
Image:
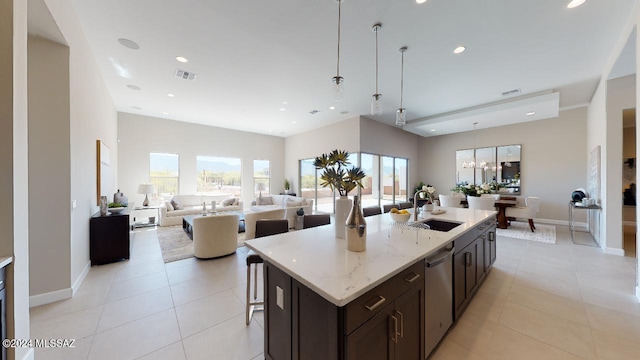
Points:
540	301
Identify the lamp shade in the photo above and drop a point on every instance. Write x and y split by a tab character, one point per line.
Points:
146	189
261	186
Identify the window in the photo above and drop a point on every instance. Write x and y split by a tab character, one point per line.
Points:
308	181
261	177
371	192
219	175
163	173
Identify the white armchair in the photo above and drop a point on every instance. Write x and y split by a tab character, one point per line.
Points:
450	201
527	212
481	203
251	218
215	236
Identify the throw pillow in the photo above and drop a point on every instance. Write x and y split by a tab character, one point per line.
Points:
176	204
294	203
264	200
228	202
168	205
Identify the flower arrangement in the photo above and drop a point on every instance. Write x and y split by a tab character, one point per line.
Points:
431	191
335	174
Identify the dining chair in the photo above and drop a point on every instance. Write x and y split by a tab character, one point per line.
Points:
263	227
388	207
450	200
405	205
527	212
495	196
481	203
371	210
314	220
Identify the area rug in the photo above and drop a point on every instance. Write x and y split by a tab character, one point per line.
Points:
176	245
520	230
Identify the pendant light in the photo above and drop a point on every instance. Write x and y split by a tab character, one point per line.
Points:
472	164
338	86
401	113
376	99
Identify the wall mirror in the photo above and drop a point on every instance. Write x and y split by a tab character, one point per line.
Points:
484	165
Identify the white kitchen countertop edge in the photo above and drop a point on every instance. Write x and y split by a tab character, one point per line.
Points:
318	260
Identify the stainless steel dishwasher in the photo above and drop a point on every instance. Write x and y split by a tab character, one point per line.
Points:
438	304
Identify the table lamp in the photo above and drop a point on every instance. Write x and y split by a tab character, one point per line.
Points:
146	189
259	187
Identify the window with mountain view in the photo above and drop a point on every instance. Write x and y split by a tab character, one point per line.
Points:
219	175
164	173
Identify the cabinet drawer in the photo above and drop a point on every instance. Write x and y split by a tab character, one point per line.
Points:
366	306
486	225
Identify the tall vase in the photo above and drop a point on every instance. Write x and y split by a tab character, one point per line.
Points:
356	228
343	205
104	205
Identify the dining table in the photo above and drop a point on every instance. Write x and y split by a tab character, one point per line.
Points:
501	206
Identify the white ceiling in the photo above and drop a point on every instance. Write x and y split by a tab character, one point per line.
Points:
251	56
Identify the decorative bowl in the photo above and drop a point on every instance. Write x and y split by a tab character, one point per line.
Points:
400	218
116	210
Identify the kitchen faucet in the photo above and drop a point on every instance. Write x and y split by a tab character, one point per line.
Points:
415	204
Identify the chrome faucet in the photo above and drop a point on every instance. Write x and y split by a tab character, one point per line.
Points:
415	203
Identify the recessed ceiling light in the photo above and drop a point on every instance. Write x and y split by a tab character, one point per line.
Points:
284	103
282	109
182	59
575	3
171	95
530	113
421	1
344	112
459	49
294	122
332	107
432	130
129	44
133	87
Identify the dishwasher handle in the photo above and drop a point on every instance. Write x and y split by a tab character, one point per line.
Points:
435	262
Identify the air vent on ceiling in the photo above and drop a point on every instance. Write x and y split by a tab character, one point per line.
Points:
313	112
186	75
511	92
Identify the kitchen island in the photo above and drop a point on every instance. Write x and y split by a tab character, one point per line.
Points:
325	302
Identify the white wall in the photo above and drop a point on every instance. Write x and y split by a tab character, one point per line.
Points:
553	158
344	135
49	166
13	168
188	140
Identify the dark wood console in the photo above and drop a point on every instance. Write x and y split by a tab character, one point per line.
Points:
109	238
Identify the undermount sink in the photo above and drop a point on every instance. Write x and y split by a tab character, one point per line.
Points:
437	225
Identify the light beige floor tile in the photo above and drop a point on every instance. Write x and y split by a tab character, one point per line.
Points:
241	291
137	285
620	283
560	283
449	350
174	351
614	323
136	338
180	263
497	283
231	340
552	330
486	306
197	271
85	298
238	275
259	357
207	312
75	325
472	333
135	307
99	276
79	351
133	270
507	344
548	303
620	301
190	290
610	347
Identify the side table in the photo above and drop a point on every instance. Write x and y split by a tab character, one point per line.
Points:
139	224
572	208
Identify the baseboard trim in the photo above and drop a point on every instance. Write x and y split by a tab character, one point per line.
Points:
614	251
50	297
560	222
80	279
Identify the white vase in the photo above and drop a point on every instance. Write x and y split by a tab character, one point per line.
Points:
343	207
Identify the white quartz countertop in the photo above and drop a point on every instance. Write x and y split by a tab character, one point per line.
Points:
317	259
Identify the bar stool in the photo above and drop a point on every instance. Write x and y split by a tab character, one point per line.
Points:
263	228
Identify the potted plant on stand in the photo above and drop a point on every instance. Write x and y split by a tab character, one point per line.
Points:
336	176
287	186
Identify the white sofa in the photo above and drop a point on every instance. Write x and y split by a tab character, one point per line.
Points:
192	205
288	202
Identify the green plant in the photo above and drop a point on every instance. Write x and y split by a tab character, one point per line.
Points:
114	205
419	187
287	185
335	174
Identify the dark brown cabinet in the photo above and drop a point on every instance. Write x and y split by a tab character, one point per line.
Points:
109	238
387	322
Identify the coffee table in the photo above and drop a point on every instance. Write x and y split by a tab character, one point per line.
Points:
187	221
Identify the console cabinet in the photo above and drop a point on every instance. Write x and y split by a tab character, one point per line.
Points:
109	238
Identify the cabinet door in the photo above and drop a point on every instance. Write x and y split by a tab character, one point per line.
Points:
315	325
409	310
459	281
277	318
481	265
374	340
471	268
489	249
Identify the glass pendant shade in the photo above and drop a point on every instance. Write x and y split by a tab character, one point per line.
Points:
376	104
337	88
401	117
